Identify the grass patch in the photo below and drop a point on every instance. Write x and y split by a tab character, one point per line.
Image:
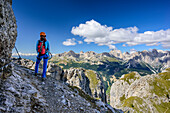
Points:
168	69
163	107
129	76
108	90
93	79
136	103
83	94
161	87
165	75
110	59
122	98
88	98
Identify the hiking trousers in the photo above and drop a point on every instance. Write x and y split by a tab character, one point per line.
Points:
45	61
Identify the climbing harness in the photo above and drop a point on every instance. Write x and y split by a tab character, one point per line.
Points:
50	55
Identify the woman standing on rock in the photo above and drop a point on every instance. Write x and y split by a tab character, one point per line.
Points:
43	49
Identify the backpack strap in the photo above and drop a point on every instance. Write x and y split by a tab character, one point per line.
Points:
41	46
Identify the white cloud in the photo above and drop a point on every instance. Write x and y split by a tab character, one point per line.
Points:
80	42
132	51
112	46
69	42
166	44
93	31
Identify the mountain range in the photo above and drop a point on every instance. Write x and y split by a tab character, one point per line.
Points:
115	62
81	82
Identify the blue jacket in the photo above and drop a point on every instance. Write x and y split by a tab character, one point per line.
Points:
47	46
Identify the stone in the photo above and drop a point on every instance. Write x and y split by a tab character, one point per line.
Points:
7	39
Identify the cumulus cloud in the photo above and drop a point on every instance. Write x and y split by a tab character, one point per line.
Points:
93	31
112	46
69	42
80	42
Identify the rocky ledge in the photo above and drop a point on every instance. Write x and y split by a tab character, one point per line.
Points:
86	80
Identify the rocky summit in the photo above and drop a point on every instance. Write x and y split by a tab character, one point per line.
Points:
134	93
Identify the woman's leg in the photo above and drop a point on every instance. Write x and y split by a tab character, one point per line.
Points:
37	65
44	67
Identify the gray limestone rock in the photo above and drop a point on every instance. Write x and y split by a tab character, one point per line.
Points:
8	34
141	94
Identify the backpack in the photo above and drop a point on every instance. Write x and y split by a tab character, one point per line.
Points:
41	47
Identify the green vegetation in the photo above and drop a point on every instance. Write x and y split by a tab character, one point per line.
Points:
109	59
161	85
129	76
165	75
93	79
76	65
110	66
122	98
108	90
163	107
83	94
136	103
168	69
88	98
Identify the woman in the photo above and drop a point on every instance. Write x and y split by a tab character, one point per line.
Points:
43	49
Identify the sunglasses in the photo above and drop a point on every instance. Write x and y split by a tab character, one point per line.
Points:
43	36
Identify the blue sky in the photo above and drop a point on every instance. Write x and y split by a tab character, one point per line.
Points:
58	17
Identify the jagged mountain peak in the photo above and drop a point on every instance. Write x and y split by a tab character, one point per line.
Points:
70	52
81	52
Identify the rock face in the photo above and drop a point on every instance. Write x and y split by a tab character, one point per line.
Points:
19	95
116	53
87	80
77	77
8	34
142	94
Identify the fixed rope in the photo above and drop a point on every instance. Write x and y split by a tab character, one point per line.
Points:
18	53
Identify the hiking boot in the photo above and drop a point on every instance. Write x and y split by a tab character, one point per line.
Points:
43	79
36	74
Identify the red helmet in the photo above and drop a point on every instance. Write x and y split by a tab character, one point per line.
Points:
42	34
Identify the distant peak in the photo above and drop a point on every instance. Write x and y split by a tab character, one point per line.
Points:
71	51
81	52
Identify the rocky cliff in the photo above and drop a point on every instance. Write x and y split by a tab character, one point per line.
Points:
8	34
87	80
136	93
